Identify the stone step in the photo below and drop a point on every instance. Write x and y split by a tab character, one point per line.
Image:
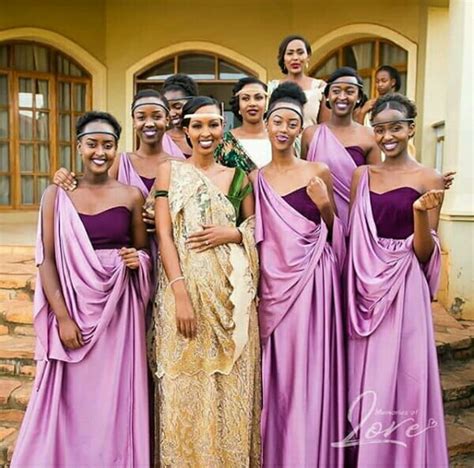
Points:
14	396
16	356
16	312
17	274
457	381
462	461
460	433
454	338
8	436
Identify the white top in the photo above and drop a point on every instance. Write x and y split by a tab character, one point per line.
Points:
258	150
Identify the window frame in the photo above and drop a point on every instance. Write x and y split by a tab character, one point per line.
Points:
54	78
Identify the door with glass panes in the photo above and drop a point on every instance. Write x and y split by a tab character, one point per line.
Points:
42	93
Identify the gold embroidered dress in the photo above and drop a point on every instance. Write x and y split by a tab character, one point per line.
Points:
208	388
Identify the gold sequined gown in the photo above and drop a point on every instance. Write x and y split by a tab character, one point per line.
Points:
208	390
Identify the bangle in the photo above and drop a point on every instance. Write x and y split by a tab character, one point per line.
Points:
176	279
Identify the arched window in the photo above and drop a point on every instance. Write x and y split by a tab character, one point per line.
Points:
215	76
366	56
42	93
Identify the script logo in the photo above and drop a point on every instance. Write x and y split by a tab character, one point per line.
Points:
376	433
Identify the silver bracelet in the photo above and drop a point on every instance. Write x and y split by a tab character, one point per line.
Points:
176	279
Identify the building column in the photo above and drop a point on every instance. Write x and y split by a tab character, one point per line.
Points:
457	217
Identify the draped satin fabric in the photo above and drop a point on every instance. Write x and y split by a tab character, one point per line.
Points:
302	334
170	147
326	148
89	406
395	404
128	175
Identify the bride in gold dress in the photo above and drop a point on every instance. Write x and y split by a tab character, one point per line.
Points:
204	338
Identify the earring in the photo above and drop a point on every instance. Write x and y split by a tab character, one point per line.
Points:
306	65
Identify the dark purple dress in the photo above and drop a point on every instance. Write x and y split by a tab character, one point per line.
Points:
393	212
357	154
148	182
109	229
302	203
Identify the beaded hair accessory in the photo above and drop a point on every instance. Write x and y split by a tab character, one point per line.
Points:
203	115
345	82
251	91
300	115
100	132
184	98
150	104
410	120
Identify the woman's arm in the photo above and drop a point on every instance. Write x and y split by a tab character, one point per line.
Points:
306	138
212	235
354	184
68	330
426	211
320	191
185	318
139	236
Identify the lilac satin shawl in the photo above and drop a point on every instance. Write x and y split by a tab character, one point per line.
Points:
92	292
377	267
295	246
326	148
128	175
170	147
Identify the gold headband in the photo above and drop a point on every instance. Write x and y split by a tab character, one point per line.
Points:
252	91
203	115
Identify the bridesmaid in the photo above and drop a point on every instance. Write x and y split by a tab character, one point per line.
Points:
300	308
341	143
178	89
246	146
396	409
89	406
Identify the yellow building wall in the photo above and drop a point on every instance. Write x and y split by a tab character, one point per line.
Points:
81	21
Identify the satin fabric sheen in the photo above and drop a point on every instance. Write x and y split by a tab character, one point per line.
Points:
326	148
170	147
89	406
395	404
302	334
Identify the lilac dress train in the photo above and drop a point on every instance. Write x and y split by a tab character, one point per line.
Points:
395	404
89	406
301	331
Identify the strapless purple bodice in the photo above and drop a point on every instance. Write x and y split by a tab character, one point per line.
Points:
300	201
393	212
148	182
357	154
109	229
